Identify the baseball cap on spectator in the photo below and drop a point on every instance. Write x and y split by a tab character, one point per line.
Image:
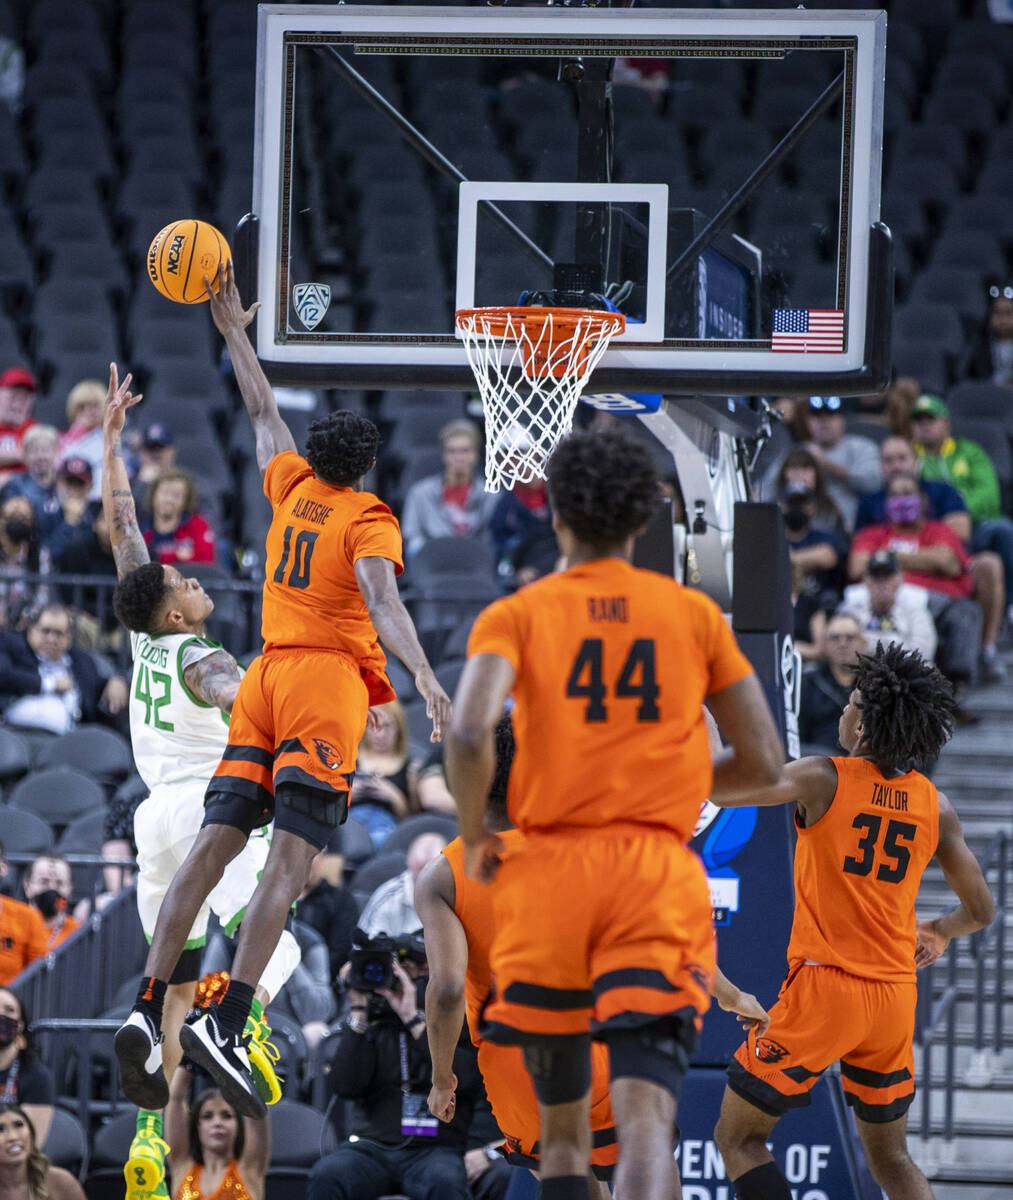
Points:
76	468
18	377
158	434
883	562
928	405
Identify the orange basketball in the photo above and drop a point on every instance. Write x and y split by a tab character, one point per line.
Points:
181	255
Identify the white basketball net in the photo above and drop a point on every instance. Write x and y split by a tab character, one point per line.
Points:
530	382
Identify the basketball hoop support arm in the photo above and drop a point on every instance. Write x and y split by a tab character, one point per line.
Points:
428	151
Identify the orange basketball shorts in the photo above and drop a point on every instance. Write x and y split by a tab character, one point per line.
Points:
821	1015
598	929
298	718
515	1106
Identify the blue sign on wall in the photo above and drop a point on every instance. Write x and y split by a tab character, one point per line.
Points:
807	1145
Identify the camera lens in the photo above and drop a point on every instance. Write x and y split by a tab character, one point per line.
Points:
373	972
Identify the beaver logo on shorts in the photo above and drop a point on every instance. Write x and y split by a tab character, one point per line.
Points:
327	754
769	1051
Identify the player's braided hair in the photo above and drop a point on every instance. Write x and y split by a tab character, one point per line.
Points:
138	597
907	706
604	486
505	746
341	447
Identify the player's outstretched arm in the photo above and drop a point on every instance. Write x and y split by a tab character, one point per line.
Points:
963	873
751	763
393	625
470	757
231	319
129	549
447	955
750	1012
214	680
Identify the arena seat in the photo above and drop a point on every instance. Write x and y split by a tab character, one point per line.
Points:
84	835
102	753
375	871
23	832
58	794
440	557
982	400
355	842
66	1143
287	1038
412	827
299	1135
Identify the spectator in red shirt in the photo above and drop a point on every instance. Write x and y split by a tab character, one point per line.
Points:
931	556
17	395
173	530
455	503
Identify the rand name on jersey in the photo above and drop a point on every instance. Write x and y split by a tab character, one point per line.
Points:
174	735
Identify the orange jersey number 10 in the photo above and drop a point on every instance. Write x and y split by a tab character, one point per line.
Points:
302	556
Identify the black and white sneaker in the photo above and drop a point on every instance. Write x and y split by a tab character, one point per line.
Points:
139	1051
223	1056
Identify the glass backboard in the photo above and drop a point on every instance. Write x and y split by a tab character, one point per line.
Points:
714	173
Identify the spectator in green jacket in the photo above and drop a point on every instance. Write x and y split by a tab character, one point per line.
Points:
967	466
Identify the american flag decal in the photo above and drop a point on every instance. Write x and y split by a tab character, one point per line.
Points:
808	331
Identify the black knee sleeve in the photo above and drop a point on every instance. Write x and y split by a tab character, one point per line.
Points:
187	968
230	808
560	1067
311	813
658	1053
762	1183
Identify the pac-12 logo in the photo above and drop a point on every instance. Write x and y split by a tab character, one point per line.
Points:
327	754
312	300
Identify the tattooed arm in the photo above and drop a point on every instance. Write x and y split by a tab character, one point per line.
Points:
214	679
129	549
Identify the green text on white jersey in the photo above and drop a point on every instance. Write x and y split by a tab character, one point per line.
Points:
174	734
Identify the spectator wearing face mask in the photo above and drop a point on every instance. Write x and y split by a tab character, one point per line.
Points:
21	552
931	556
48	886
24	1080
817	566
38	482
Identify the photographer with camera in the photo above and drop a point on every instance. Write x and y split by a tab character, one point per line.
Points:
382	1065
